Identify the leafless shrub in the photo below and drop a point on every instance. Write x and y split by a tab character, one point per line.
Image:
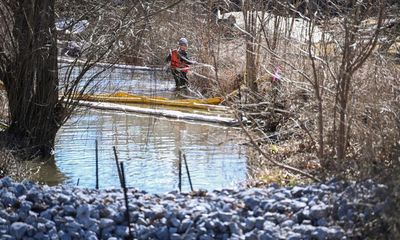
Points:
10	166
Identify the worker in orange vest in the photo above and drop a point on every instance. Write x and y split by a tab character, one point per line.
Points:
179	63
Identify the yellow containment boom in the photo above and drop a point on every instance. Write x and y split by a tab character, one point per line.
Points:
123	97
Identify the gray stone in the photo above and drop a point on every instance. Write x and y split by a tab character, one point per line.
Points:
18	229
53	234
83	211
6	182
266	236
69	210
260	223
31	231
304	214
225	216
106	222
210	225
306	222
175	222
7	237
50	224
3	221
162	233
13	217
268	205
122	231
322	222
320	233
295	236
278	196
268	225
8	199
47	214
90	223
26	206
297	205
303	229
142	221
250	223
207	237
34	195
335	233
107	232
297	191
273	186
172	230
40	236
251	202
252	235
28	184
73	226
219	226
234	229
20	189
62	198
148	213
287	223
175	236
271	216
90	235
319	211
4	229
41	227
288	193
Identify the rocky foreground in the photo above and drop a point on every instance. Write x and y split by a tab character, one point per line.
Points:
335	210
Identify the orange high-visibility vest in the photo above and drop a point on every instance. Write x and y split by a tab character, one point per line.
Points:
176	62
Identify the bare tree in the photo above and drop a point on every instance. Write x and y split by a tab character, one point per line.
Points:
30	72
28	61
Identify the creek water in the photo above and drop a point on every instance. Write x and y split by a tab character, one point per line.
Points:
148	146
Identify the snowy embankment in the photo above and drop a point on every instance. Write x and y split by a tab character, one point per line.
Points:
335	210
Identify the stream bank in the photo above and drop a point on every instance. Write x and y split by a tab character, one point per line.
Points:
332	210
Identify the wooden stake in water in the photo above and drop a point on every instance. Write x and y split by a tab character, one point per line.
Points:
118	167
126	200
77	182
97	166
180	171
188	173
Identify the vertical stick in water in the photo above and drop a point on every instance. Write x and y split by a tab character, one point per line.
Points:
118	168
77	182
180	171
126	200
97	166
188	173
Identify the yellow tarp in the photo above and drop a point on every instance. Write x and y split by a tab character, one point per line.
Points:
123	97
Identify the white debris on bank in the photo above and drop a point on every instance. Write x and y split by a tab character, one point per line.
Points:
293	28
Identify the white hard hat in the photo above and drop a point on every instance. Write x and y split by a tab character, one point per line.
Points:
183	41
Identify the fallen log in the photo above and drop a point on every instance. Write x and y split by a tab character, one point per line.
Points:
162	113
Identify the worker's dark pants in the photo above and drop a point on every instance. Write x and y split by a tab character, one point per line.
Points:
180	78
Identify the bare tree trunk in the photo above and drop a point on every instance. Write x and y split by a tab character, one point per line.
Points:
250	18
353	57
31	78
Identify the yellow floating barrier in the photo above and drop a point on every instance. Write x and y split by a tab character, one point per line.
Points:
123	97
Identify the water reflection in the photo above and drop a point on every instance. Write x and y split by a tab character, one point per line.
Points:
43	171
149	147
151	83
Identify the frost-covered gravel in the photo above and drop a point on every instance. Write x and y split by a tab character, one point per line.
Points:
334	210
